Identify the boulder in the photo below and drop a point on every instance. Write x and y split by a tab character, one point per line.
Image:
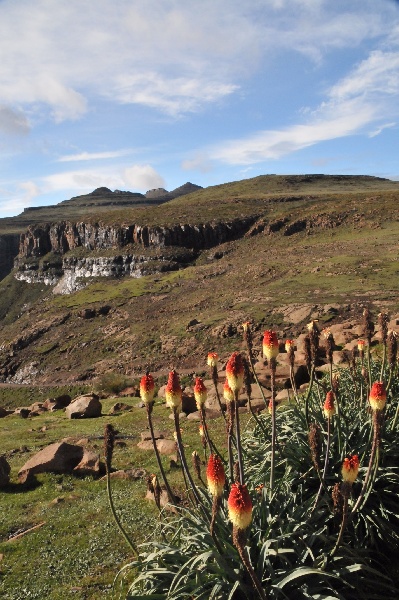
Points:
3	412
84	407
158	435
57	403
89	465
119	407
4	472
167	447
55	458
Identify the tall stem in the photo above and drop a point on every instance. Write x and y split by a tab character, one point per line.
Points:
372	466
273	406
238	438
154	443
116	518
323	478
183	458
239	542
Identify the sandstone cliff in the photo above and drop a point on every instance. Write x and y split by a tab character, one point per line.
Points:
62	237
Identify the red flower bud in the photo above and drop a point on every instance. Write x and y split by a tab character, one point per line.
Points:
215	475
235	372
240	506
270	345
378	396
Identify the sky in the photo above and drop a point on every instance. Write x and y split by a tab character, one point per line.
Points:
141	94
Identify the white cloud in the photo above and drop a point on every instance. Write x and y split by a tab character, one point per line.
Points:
84	156
175	57
367	95
143	177
199	163
13	122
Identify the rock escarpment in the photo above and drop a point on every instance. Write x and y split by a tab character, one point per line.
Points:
9	246
65	236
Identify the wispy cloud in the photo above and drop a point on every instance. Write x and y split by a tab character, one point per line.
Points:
173	57
85	156
362	99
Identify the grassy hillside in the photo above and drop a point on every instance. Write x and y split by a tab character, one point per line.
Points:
344	252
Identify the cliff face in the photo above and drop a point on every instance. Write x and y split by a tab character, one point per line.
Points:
9	246
62	237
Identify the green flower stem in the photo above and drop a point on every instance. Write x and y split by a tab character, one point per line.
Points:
171	496
230	426
214	376
307	397
323	477
238	438
273	405
374	447
115	516
384	358
239	542
346	491
183	458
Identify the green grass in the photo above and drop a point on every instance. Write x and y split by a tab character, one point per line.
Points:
78	551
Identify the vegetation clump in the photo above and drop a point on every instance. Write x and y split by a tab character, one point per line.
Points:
303	503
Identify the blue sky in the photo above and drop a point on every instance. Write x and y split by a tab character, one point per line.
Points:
137	94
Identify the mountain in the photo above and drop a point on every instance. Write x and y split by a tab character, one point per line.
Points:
156	286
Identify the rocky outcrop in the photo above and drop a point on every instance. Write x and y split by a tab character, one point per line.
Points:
65	236
9	248
84	407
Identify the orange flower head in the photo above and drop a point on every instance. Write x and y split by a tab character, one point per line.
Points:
240	506
360	345
289	345
227	392
350	468
147	388
235	372
215	475
378	396
173	392
201	431
327	333
246	325
270	345
212	359
329	406
200	392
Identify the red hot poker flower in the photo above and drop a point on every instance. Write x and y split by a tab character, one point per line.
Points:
235	372
240	506
147	388
215	475
378	396
329	406
289	345
350	468
270	345
173	391
200	392
212	359
227	392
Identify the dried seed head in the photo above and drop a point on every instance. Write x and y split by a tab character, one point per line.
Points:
368	326
308	353
315	444
248	336
196	464
383	320
290	350
247	378
109	442
392	348
338	501
330	344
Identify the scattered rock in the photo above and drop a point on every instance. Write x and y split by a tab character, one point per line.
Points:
5	470
84	407
119	407
130	474
89	465
3	412
57	403
158	435
55	458
167	447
